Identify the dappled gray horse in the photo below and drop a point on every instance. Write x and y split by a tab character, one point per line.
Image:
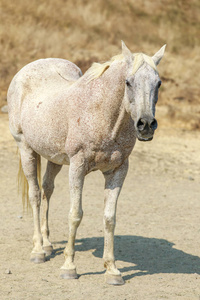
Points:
90	122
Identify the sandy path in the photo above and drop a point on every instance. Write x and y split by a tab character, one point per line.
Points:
157	233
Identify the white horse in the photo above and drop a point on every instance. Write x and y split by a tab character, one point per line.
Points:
90	122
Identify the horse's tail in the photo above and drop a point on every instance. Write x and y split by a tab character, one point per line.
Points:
23	183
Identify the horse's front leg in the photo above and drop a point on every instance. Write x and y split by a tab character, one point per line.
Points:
113	185
76	180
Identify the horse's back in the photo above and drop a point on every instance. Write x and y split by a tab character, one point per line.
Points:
43	73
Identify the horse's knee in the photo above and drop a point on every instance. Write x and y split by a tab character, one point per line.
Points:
109	222
75	217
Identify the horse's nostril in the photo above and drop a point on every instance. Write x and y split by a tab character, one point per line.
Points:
145	124
153	125
141	124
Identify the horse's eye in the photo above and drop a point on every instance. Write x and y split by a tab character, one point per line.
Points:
159	84
128	83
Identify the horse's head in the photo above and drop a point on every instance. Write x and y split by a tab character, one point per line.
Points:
141	90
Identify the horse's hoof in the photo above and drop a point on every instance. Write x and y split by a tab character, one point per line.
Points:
48	250
114	279
37	258
69	274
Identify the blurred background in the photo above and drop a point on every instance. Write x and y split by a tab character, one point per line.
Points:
84	31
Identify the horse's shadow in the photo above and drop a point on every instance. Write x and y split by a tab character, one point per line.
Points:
147	255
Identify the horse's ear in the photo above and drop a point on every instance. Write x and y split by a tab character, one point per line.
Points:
158	56
127	53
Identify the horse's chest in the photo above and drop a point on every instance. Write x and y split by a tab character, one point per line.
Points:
109	158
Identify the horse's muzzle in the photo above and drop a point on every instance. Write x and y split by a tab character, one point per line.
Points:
145	128
147	139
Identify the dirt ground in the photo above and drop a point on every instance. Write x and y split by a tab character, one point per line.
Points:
157	234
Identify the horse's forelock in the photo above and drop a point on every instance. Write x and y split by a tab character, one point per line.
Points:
139	59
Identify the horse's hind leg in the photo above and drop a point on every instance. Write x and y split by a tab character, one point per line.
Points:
29	165
48	187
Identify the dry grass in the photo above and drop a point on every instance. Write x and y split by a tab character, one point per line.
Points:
85	31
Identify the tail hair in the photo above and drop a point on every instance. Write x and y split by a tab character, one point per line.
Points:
24	186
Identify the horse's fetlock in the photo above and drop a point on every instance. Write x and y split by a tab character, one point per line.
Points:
69	253
45	231
109	263
37	241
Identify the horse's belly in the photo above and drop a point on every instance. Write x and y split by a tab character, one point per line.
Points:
59	159
48	146
45	133
51	149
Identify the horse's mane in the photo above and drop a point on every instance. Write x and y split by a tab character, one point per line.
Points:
97	69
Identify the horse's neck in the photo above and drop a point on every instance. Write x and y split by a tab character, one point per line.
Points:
109	89
120	122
